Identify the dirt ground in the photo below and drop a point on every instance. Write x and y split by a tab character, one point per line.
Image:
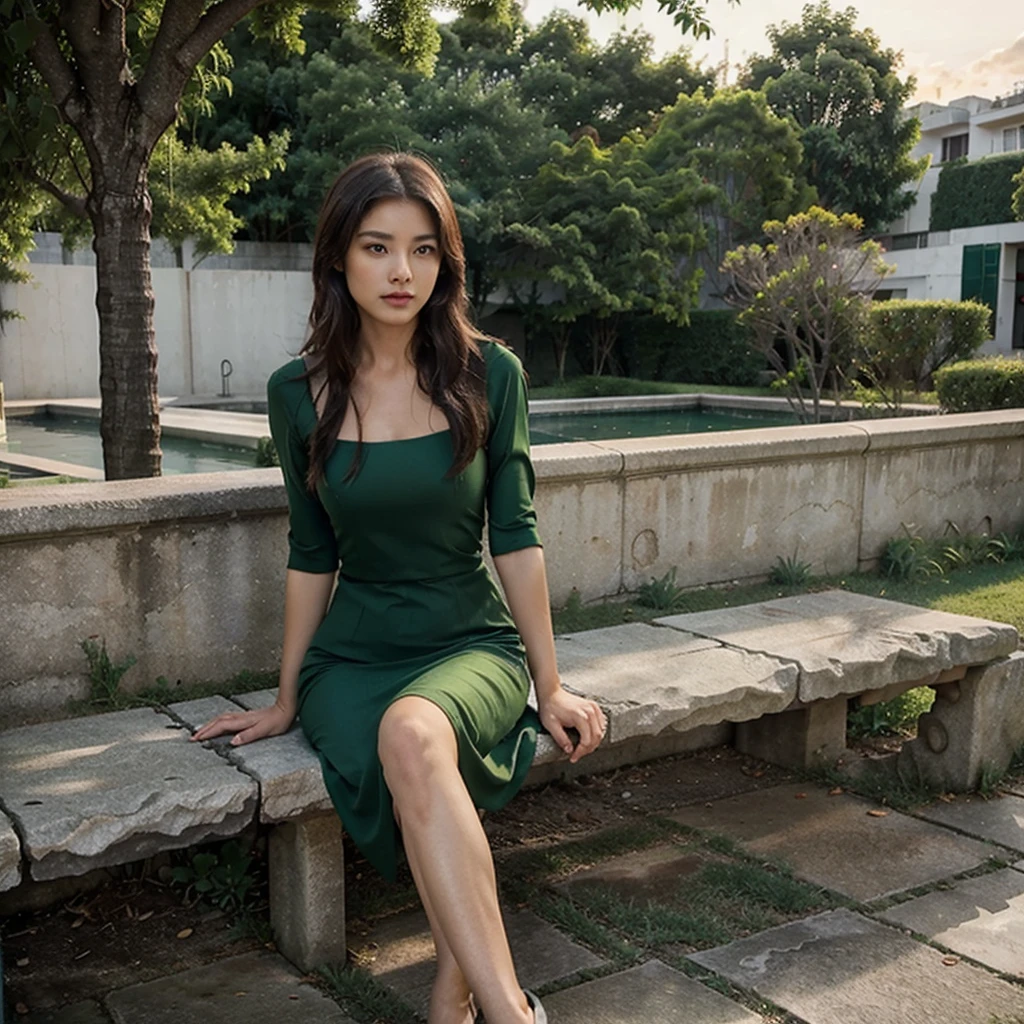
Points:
139	926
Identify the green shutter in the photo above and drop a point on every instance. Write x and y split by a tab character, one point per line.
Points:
972	273
979	278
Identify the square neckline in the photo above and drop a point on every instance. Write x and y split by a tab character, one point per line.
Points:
308	390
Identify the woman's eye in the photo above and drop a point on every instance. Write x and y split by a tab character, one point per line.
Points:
426	249
374	246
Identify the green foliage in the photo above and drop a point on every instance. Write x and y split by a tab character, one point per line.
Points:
749	156
994	382
713	348
977	192
266	453
896	717
910	557
223	878
104	675
611	236
662	593
5	477
805	296
191	186
790	572
905	342
841	88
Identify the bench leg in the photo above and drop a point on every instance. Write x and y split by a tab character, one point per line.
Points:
801	738
307	891
974	726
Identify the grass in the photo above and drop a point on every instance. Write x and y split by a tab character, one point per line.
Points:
731	894
988	591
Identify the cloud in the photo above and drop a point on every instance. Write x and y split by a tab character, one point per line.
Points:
995	74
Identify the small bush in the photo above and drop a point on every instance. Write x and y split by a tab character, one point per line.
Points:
905	341
104	675
891	717
995	382
266	453
662	594
790	572
712	349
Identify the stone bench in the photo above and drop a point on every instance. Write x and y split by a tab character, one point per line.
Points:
773	678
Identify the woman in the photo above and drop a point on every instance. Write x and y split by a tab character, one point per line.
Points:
397	431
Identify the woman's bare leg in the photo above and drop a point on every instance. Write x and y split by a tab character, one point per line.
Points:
448	852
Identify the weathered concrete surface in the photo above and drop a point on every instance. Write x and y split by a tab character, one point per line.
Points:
834	842
841	968
112	788
286	767
650	679
651	993
255	988
847	643
87	1011
982	918
803	737
399	952
1000	819
10	854
641	875
307	890
975	725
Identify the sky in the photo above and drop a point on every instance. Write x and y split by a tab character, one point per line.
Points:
952	49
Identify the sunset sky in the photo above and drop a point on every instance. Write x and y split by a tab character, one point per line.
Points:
952	49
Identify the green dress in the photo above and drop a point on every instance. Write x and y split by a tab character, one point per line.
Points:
415	610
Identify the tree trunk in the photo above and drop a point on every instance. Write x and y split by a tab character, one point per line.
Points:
130	417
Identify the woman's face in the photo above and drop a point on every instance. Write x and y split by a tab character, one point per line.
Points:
393	261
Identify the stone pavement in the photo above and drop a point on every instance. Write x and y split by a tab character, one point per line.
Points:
926	926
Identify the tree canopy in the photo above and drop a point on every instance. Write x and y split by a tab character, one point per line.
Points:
841	88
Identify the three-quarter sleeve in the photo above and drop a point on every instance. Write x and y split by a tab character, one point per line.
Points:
312	546
511	520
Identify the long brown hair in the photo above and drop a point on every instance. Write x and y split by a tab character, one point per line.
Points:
449	364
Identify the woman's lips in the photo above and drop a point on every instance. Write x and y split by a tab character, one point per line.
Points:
398	300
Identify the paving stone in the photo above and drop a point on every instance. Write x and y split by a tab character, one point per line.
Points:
286	767
649	994
399	952
255	988
849	643
642	875
10	854
1000	819
832	841
650	679
107	789
982	918
86	1012
841	968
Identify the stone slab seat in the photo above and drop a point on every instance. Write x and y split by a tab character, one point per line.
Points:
97	791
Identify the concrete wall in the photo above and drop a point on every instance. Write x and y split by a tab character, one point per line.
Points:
226	308
187	573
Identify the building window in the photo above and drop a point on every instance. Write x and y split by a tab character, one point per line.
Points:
954	147
1013	139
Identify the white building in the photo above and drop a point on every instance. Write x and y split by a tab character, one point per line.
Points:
986	261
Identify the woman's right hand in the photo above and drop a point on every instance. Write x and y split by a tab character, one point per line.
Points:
247	725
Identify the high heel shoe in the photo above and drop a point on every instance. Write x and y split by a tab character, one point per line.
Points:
539	1016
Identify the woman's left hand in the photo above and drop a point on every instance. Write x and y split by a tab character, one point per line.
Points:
564	710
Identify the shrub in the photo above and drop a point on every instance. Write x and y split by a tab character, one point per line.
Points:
975	193
906	341
996	382
712	349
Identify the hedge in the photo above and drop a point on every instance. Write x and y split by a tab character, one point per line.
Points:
712	349
975	385
907	340
975	193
